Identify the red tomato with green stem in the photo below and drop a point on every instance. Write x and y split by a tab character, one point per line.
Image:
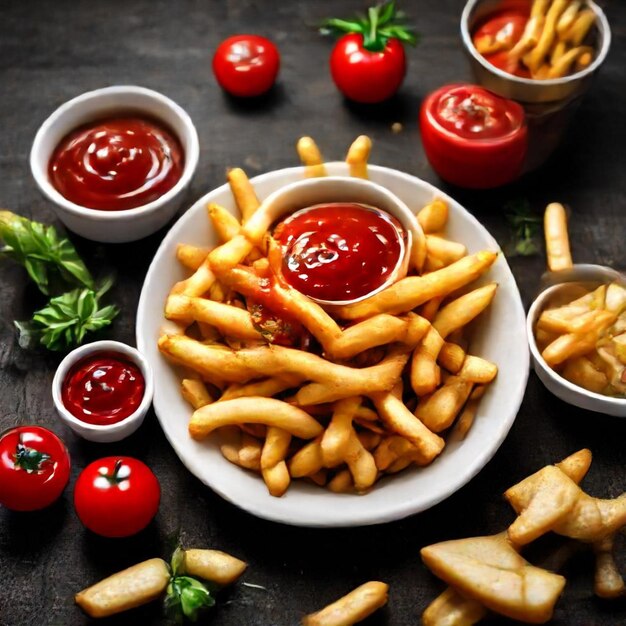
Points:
246	65
368	63
116	496
34	468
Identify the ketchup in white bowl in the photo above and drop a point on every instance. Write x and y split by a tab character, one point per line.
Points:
340	250
103	388
116	164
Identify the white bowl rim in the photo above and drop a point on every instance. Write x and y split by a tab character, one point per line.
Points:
192	154
105	345
400	510
466	38
405	217
533	313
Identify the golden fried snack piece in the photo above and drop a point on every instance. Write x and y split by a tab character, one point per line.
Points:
550	500
582	372
581	26
125	590
439	410
451	357
425	374
557	238
230	320
243	192
358	155
536	56
311	157
226	225
341	482
477	370
273	466
434	216
445	250
351	608
466	419
198	283
608	582
337	435
308	460
463	310
562	65
267	388
190	256
490	571
195	392
214	565
452	609
360	462
410	292
253	410
400	420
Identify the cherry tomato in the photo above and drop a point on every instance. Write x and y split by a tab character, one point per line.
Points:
366	76
116	496
472	137
34	468
246	65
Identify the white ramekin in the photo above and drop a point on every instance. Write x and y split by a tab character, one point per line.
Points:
110	432
114	226
554	382
327	189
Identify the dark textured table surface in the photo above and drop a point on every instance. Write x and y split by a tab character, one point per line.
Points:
52	51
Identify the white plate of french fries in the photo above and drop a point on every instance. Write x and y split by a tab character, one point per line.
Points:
497	335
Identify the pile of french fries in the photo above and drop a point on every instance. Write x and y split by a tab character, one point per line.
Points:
488	574
582	332
553	42
381	382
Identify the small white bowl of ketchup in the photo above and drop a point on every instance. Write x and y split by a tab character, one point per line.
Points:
343	239
115	162
103	390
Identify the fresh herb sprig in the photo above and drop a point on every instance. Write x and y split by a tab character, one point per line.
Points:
65	320
383	22
186	597
50	260
74	308
525	228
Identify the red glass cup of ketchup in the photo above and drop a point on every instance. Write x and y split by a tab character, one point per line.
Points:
103	390
116	162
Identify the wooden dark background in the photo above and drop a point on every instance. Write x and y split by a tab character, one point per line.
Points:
52	51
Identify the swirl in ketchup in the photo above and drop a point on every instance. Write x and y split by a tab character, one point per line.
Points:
116	164
472	137
339	251
104	388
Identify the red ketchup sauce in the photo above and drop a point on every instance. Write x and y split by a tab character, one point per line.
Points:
507	25
116	164
339	251
103	388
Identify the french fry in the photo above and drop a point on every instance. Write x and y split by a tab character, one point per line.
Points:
358	155
195	392
198	283
336	439
125	590
277	479
229	320
311	157
351	608
557	239
439	410
226	225
463	310
608	582
434	216
535	57
243	192
451	357
275	447
341	482
445	250
266	388
190	256
529	38
582	372
577	32
308	460
465	421
557	53
256	411
452	609
412	291
229	254
539	8
562	66
425	373
567	18
230	443
583	61
400	420
250	452
213	565
430	308
477	370
360	463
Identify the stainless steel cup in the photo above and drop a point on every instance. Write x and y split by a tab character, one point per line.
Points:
549	104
